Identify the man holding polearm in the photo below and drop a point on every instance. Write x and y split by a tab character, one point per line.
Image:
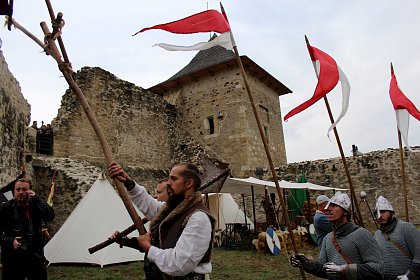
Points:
348	252
181	231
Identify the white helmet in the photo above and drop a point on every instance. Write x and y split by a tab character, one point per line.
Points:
322	198
383	204
342	200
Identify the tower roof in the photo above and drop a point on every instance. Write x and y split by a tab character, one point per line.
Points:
213	60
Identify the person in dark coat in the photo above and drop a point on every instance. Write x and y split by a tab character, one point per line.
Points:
21	239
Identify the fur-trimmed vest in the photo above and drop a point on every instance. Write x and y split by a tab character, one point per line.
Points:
168	225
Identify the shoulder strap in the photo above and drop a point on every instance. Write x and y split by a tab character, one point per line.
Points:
399	247
338	248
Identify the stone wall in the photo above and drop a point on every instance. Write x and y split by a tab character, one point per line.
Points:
14	120
216	109
377	173
138	125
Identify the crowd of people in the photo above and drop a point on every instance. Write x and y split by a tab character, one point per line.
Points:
352	252
180	241
44	138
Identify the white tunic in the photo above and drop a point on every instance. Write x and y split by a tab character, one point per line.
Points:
191	245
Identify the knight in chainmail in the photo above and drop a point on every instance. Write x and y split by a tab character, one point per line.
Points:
348	252
399	242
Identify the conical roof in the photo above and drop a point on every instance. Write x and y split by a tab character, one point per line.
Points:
215	59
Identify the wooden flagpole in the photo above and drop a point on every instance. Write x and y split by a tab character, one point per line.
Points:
264	140
64	66
404	179
354	202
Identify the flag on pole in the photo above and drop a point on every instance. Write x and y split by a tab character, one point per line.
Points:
328	73
207	21
403	107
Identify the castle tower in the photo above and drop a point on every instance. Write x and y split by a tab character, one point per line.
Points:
213	105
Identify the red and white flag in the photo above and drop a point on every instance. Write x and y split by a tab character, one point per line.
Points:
328	73
403	108
207	21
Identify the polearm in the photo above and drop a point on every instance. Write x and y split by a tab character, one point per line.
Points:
363	195
65	68
132	228
404	179
264	140
343	158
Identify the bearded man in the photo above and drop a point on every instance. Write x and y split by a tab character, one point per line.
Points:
348	252
181	231
399	242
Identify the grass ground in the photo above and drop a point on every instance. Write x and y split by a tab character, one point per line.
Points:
227	264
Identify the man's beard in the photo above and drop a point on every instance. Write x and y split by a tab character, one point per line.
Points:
174	200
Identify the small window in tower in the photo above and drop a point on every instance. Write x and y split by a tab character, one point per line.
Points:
266	133
210	121
264	110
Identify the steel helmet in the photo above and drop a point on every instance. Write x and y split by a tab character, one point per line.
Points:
322	198
383	204
342	200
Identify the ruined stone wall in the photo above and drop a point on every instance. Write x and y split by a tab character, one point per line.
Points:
377	173
220	102
14	120
138	124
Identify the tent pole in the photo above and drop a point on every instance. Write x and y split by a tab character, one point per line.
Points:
253	208
243	202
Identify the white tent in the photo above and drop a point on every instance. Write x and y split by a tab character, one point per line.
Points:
96	217
224	208
243	186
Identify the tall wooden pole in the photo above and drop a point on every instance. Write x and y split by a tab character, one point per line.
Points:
264	140
404	180
64	67
343	159
67	72
354	202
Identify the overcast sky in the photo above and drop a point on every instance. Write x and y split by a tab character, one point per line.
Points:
362	36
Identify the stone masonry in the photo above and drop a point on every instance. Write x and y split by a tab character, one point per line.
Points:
138	125
223	99
14	120
377	173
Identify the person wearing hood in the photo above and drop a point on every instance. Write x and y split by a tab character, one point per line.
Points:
321	223
348	252
399	242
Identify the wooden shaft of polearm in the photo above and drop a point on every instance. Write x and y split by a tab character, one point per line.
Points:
110	241
404	179
95	125
264	141
144	220
55	19
343	158
268	154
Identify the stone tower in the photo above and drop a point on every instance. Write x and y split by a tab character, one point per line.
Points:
213	104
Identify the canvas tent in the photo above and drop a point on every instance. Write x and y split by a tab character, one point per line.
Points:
224	208
96	217
247	186
243	186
